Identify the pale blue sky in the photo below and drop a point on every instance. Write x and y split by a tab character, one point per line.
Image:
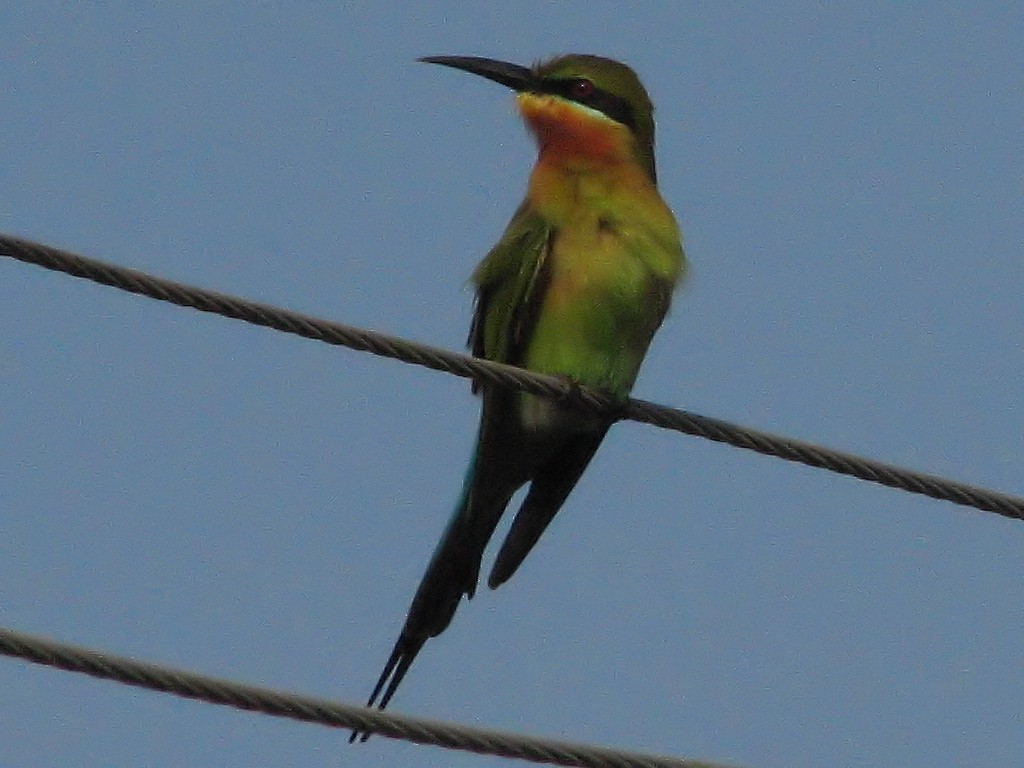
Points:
201	493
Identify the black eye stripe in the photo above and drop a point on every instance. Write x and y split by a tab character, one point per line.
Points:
615	107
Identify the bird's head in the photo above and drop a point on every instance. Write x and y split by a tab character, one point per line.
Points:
577	104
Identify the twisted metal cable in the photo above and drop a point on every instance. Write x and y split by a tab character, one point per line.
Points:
509	376
308	709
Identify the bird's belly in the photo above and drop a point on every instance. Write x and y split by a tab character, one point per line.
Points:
594	325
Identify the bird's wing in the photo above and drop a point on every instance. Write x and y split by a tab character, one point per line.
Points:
510	283
510	287
551	484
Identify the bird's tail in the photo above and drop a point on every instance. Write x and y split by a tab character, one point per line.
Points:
453	572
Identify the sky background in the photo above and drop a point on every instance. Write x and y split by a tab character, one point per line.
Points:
198	492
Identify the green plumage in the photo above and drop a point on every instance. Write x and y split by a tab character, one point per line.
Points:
576	287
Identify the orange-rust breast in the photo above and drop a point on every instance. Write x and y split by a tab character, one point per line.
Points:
570	133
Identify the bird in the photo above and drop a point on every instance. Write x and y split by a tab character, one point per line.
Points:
576	287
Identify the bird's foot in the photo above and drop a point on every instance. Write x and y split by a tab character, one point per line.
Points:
579	399
572	390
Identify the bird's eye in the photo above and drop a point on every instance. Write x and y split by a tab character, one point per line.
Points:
581	89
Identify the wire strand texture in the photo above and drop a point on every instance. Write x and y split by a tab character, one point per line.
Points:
309	709
439	359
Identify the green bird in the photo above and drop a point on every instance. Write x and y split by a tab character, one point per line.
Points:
576	287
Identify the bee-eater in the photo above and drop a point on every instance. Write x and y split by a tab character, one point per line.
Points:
576	287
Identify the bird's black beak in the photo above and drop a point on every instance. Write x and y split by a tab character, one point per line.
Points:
510	75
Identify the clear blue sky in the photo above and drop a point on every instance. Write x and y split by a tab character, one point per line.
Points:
201	493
